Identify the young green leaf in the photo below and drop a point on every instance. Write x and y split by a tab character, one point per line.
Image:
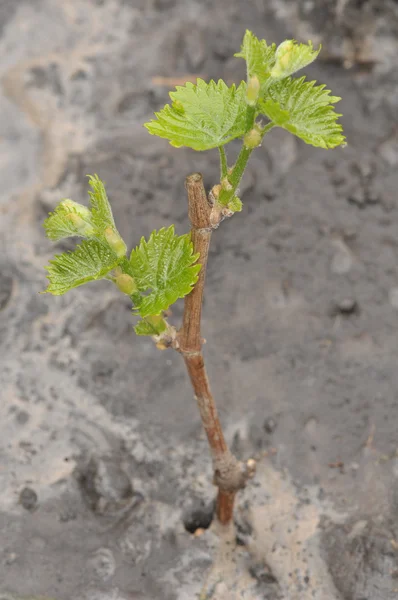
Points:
291	57
268	62
103	218
202	116
90	260
259	57
305	110
73	219
164	265
99	204
69	219
154	325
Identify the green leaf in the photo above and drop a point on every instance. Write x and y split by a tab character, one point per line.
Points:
268	62
69	219
154	325
202	116
305	110
103	218
259	57
89	261
99	204
163	265
73	219
291	57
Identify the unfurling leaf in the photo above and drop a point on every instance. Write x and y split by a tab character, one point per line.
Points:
153	325
99	204
69	219
305	110
291	56
259	57
202	116
269	63
164	267
90	260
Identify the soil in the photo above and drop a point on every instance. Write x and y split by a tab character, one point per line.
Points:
104	468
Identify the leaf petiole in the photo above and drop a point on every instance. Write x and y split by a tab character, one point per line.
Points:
223	162
239	168
250	117
267	128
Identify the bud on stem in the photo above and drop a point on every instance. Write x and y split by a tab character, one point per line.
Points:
235	205
225	184
77	208
80	217
126	284
115	242
282	58
253	90
81	226
75	220
253	138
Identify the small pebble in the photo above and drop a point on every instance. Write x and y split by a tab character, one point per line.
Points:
103	564
200	531
341	262
365	168
347	306
270	425
350	233
28	499
374	192
67	515
251	467
393	297
357	196
22	417
6	285
262	573
106	487
388	150
198	516
10	559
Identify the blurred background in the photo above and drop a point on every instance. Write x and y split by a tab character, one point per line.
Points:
103	465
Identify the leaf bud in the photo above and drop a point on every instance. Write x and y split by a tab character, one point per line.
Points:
282	57
214	194
162	345
81	226
75	207
115	242
253	138
235	204
253	90
225	184
126	284
75	220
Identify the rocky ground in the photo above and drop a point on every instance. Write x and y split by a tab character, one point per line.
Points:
104	470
